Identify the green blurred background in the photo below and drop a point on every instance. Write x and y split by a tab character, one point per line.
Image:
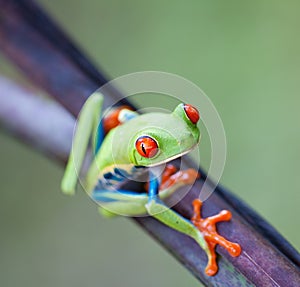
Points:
245	55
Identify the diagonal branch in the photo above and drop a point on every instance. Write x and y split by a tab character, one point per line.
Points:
31	40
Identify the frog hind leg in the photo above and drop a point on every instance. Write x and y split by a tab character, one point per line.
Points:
207	226
117	116
86	127
129	203
120	202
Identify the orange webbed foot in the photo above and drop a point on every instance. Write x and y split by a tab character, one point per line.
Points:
207	226
171	176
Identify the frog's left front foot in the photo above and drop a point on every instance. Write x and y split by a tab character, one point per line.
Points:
207	226
172	176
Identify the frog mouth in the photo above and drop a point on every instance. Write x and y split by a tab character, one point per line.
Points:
172	157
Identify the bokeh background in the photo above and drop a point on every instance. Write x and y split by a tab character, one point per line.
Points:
245	55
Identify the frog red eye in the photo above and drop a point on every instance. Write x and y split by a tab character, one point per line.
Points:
192	113
146	146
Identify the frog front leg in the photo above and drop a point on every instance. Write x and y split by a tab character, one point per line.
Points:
157	209
202	230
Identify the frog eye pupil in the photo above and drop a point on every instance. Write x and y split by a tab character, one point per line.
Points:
143	148
146	146
192	113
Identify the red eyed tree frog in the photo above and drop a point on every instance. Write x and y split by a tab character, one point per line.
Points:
134	145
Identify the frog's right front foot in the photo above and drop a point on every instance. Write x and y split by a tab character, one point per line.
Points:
207	226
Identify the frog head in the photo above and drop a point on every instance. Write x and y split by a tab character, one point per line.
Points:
164	137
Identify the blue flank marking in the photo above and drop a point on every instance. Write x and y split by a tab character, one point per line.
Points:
109	176
99	138
121	172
